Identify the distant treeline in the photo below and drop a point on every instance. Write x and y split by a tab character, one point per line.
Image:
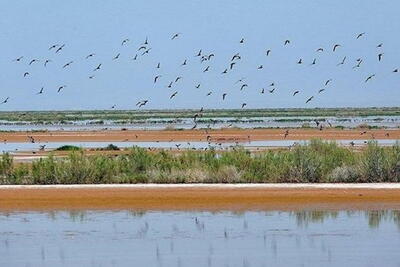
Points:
316	162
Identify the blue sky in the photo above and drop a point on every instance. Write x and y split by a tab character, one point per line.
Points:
29	28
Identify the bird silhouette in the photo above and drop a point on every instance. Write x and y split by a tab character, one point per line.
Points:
47	62
53	46
268	52
225	71
236	57
232	64
321	90
360	35
124	42
369	77
336	46
18	59
197	86
89	56
173	95
60	48
156	78
287	42
342	62
223	96
308	100
243	86
272	90
260	67
184	63
300	61
244	104
117	56
26	74
176	35
262	91
178	78
209	93
33	61
60	88
320	49
5	100
41	91
98	67
158	65
67	64
296	92
327	82
206	69
380	56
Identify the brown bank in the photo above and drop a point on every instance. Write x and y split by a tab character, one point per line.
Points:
201	197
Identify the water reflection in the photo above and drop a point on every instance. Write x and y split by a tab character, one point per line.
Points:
139	238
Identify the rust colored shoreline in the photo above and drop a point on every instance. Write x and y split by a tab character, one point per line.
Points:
198	198
218	135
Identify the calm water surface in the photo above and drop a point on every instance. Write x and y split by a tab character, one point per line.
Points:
127	238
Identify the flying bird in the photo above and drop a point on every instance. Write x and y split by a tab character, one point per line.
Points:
379	45
33	61
178	78
241	41
328	81
287	42
98	67
396	70
380	56
272	90
321	90
308	100
260	67
232	64
223	96
244	104
236	56
60	88
176	35
243	86
225	71
342	62
156	78
369	77
199	53
197	86
53	46
314	62
158	65
360	35
336	46
18	59
124	42
26	74
47	62
296	92
300	61
206	69
5	100
173	95
117	56
209	93
184	63
320	49
268	52
90	55
60	48
66	65
41	91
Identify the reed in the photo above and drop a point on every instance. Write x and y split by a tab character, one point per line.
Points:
315	162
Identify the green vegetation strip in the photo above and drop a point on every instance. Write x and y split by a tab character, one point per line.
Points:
316	162
65	117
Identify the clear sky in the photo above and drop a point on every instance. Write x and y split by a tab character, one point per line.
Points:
28	28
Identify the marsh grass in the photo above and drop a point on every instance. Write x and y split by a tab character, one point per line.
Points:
315	162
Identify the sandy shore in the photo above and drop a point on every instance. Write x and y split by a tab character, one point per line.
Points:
202	197
221	135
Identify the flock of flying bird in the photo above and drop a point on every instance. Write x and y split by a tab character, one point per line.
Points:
203	58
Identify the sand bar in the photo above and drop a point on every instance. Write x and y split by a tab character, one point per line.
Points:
216	197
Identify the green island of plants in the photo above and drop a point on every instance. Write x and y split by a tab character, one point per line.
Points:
315	162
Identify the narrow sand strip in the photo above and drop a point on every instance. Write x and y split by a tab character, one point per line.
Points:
215	197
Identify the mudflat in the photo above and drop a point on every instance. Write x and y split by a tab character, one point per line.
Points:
200	197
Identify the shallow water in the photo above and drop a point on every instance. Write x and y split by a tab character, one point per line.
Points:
127	238
19	146
213	123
